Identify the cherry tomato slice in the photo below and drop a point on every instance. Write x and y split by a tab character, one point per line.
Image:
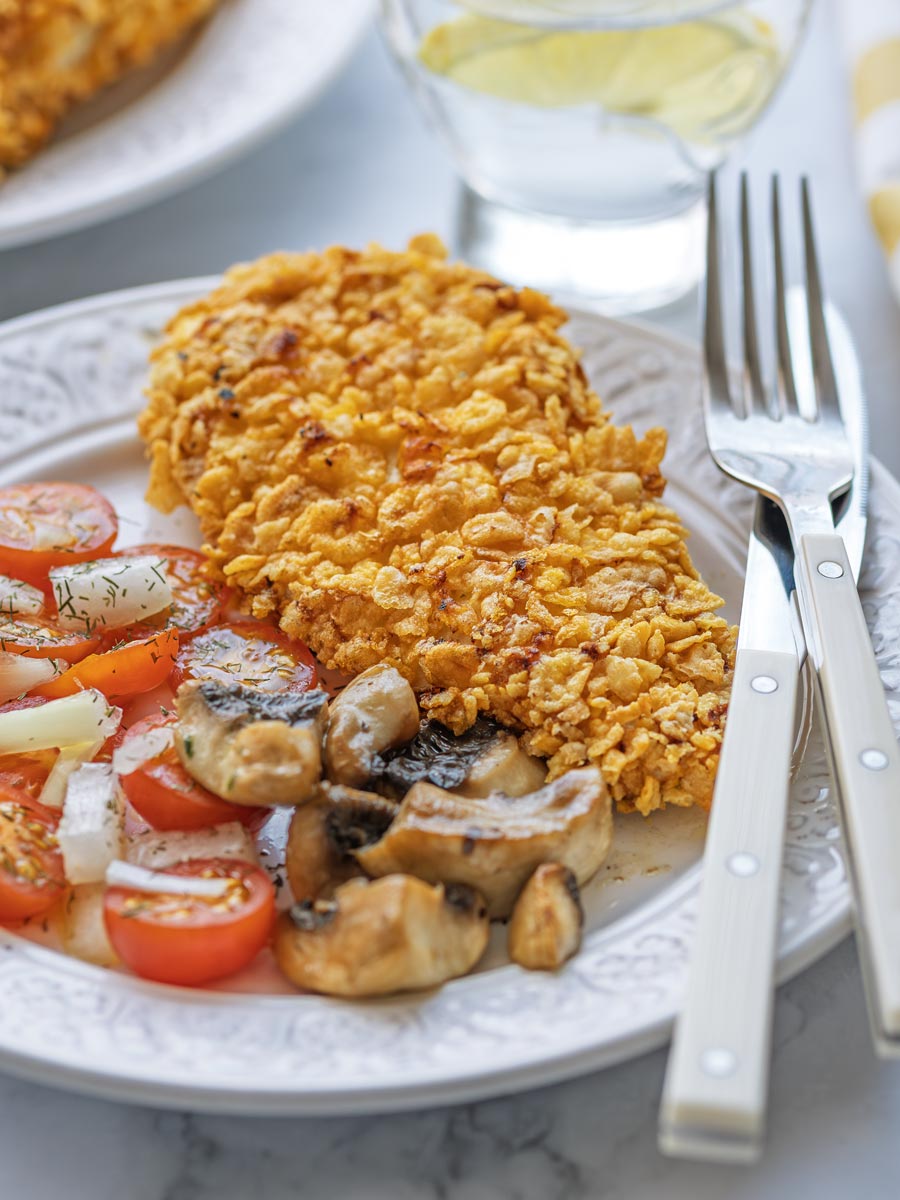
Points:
112	743
41	637
197	600
192	940
31	867
256	653
44	525
129	669
26	771
166	796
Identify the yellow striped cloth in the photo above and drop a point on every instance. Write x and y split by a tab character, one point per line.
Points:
872	39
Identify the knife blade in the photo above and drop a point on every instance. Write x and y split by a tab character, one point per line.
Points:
851	509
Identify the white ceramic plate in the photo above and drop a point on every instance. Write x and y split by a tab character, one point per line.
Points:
70	383
245	72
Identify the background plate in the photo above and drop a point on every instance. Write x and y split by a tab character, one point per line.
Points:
237	79
70	382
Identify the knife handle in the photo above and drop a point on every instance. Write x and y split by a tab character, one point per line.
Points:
867	768
714	1098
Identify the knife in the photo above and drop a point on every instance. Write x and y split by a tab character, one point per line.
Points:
714	1096
851	525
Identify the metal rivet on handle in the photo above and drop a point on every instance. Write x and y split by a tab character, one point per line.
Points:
831	570
875	760
742	864
718	1062
764	684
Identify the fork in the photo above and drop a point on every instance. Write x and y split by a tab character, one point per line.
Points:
714	1098
802	461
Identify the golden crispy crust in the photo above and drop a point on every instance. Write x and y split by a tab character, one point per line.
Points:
402	459
54	53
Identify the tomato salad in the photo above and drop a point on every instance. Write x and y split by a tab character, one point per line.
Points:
102	828
147	733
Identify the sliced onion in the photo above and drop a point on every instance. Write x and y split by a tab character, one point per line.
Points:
139	879
49	535
69	759
17	597
19	674
156	851
86	717
110	592
92	830
138	748
83	928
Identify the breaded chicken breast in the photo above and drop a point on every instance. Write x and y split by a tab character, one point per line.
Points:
402	460
54	53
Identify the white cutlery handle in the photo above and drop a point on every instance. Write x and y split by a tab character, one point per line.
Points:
867	765
714	1099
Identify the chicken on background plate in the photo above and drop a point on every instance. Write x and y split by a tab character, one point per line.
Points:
55	53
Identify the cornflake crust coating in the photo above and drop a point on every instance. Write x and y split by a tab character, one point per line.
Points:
54	53
402	459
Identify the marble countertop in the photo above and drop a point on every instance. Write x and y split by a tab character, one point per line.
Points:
359	166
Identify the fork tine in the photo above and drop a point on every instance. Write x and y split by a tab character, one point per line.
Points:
718	395
823	368
788	388
752	368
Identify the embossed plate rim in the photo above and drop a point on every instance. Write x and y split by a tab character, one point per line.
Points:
75	1026
41	207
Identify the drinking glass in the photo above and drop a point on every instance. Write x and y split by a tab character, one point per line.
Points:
584	129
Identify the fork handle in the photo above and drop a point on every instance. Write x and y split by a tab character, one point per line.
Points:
714	1099
867	768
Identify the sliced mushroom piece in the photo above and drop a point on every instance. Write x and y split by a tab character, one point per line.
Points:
484	759
249	746
547	920
495	842
374	713
394	935
325	832
503	766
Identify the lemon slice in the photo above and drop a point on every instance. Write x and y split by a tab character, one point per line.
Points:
697	77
